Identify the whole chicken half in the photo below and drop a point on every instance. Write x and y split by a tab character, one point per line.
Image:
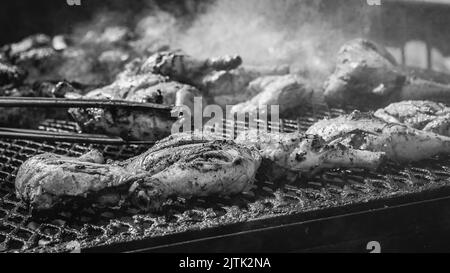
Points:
182	165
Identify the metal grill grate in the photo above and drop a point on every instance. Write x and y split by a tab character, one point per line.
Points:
88	228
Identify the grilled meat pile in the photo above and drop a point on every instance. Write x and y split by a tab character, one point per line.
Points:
184	165
367	75
107	65
93	60
422	115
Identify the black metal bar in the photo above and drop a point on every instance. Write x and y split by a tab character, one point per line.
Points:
79	103
351	226
38	135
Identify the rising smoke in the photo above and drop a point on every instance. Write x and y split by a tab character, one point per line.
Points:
305	34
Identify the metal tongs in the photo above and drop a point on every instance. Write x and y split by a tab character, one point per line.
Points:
40	135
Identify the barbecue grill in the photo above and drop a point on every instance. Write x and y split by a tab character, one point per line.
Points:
335	210
334	207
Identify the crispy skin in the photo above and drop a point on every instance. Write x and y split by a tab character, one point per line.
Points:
286	155
48	179
189	165
423	115
364	131
185	165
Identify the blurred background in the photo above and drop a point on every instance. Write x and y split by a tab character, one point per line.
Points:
304	33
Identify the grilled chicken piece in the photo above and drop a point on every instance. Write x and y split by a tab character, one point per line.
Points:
288	155
186	69
364	131
423	115
184	165
289	92
236	81
135	85
367	75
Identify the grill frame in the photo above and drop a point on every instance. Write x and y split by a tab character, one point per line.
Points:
266	222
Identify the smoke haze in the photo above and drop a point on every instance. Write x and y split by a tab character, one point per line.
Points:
305	34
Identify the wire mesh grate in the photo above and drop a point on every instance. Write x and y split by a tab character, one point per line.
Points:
19	231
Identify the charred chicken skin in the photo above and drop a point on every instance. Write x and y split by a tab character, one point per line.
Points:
398	142
288	155
423	115
183	165
186	69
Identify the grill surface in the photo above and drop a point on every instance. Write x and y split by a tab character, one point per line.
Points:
19	231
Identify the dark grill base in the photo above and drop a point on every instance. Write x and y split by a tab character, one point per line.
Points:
331	191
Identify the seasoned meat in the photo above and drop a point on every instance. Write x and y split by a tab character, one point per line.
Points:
184	165
364	131
47	180
367	75
135	85
422	115
288	155
289	92
186	69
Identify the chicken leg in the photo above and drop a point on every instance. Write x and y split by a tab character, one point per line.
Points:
367	75
183	165
398	142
